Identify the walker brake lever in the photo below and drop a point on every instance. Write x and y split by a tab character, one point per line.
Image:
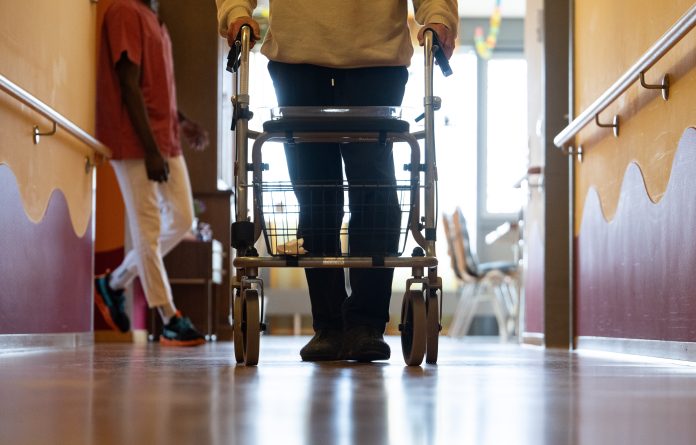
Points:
234	57
440	56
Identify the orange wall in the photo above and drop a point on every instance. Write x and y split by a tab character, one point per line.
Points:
609	38
47	48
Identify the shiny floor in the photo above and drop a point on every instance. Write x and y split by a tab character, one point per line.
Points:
479	393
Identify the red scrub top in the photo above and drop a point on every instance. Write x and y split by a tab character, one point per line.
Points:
131	28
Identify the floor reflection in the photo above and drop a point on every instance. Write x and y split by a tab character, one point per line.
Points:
479	393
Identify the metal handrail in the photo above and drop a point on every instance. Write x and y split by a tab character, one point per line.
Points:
680	29
49	113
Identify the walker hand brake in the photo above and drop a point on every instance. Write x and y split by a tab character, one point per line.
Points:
234	57
440	56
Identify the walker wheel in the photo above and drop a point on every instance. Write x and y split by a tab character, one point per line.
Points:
238	338
413	327
433	327
251	326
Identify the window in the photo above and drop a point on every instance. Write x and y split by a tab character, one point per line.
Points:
505	155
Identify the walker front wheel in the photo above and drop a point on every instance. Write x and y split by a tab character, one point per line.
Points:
433	327
413	327
251	326
238	337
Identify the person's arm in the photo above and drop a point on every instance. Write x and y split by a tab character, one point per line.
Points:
232	15
132	96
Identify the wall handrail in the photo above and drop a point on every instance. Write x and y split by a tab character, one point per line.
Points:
49	113
680	29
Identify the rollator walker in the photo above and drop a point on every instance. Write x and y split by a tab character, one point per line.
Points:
275	210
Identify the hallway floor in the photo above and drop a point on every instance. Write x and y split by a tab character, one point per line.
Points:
479	393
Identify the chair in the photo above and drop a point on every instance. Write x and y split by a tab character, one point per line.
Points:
479	282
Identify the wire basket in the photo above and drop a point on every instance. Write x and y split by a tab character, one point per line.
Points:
335	219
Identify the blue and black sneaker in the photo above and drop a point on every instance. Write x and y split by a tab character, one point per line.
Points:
111	304
181	332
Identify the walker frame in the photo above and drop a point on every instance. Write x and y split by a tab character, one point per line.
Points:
421	305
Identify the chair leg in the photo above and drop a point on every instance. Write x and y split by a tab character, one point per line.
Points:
458	312
507	301
514	294
470	314
500	315
509	289
506	297
461	312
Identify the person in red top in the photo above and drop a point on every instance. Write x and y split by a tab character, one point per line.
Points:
138	118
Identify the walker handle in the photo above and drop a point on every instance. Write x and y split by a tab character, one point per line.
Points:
440	56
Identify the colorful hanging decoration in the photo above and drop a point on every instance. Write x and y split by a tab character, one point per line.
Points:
485	46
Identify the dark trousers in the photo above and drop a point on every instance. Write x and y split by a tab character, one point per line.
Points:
317	174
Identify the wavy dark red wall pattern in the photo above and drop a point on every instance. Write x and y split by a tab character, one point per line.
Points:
636	275
45	268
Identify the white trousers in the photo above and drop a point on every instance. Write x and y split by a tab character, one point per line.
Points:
158	215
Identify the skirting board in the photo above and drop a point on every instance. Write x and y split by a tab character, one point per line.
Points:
532	338
672	350
15	342
138	336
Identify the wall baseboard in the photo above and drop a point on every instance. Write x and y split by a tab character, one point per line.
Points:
138	336
532	338
672	350
18	342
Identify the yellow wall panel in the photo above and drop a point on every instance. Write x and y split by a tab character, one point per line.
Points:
48	48
609	38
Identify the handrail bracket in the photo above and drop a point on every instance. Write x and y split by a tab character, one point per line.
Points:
637	71
614	124
577	152
57	119
664	86
38	134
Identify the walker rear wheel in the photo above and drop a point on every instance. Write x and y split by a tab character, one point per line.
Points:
413	327
251	326
433	327
238	338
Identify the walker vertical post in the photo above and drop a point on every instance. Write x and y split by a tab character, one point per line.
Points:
431	171
241	103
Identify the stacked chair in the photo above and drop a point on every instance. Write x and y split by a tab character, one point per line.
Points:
494	282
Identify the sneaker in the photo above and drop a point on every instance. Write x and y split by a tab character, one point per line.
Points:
111	304
324	346
365	344
181	332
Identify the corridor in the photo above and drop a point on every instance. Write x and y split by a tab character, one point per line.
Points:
480	392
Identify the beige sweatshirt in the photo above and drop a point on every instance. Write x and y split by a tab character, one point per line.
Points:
340	33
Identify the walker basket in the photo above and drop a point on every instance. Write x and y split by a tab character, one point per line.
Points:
337	219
